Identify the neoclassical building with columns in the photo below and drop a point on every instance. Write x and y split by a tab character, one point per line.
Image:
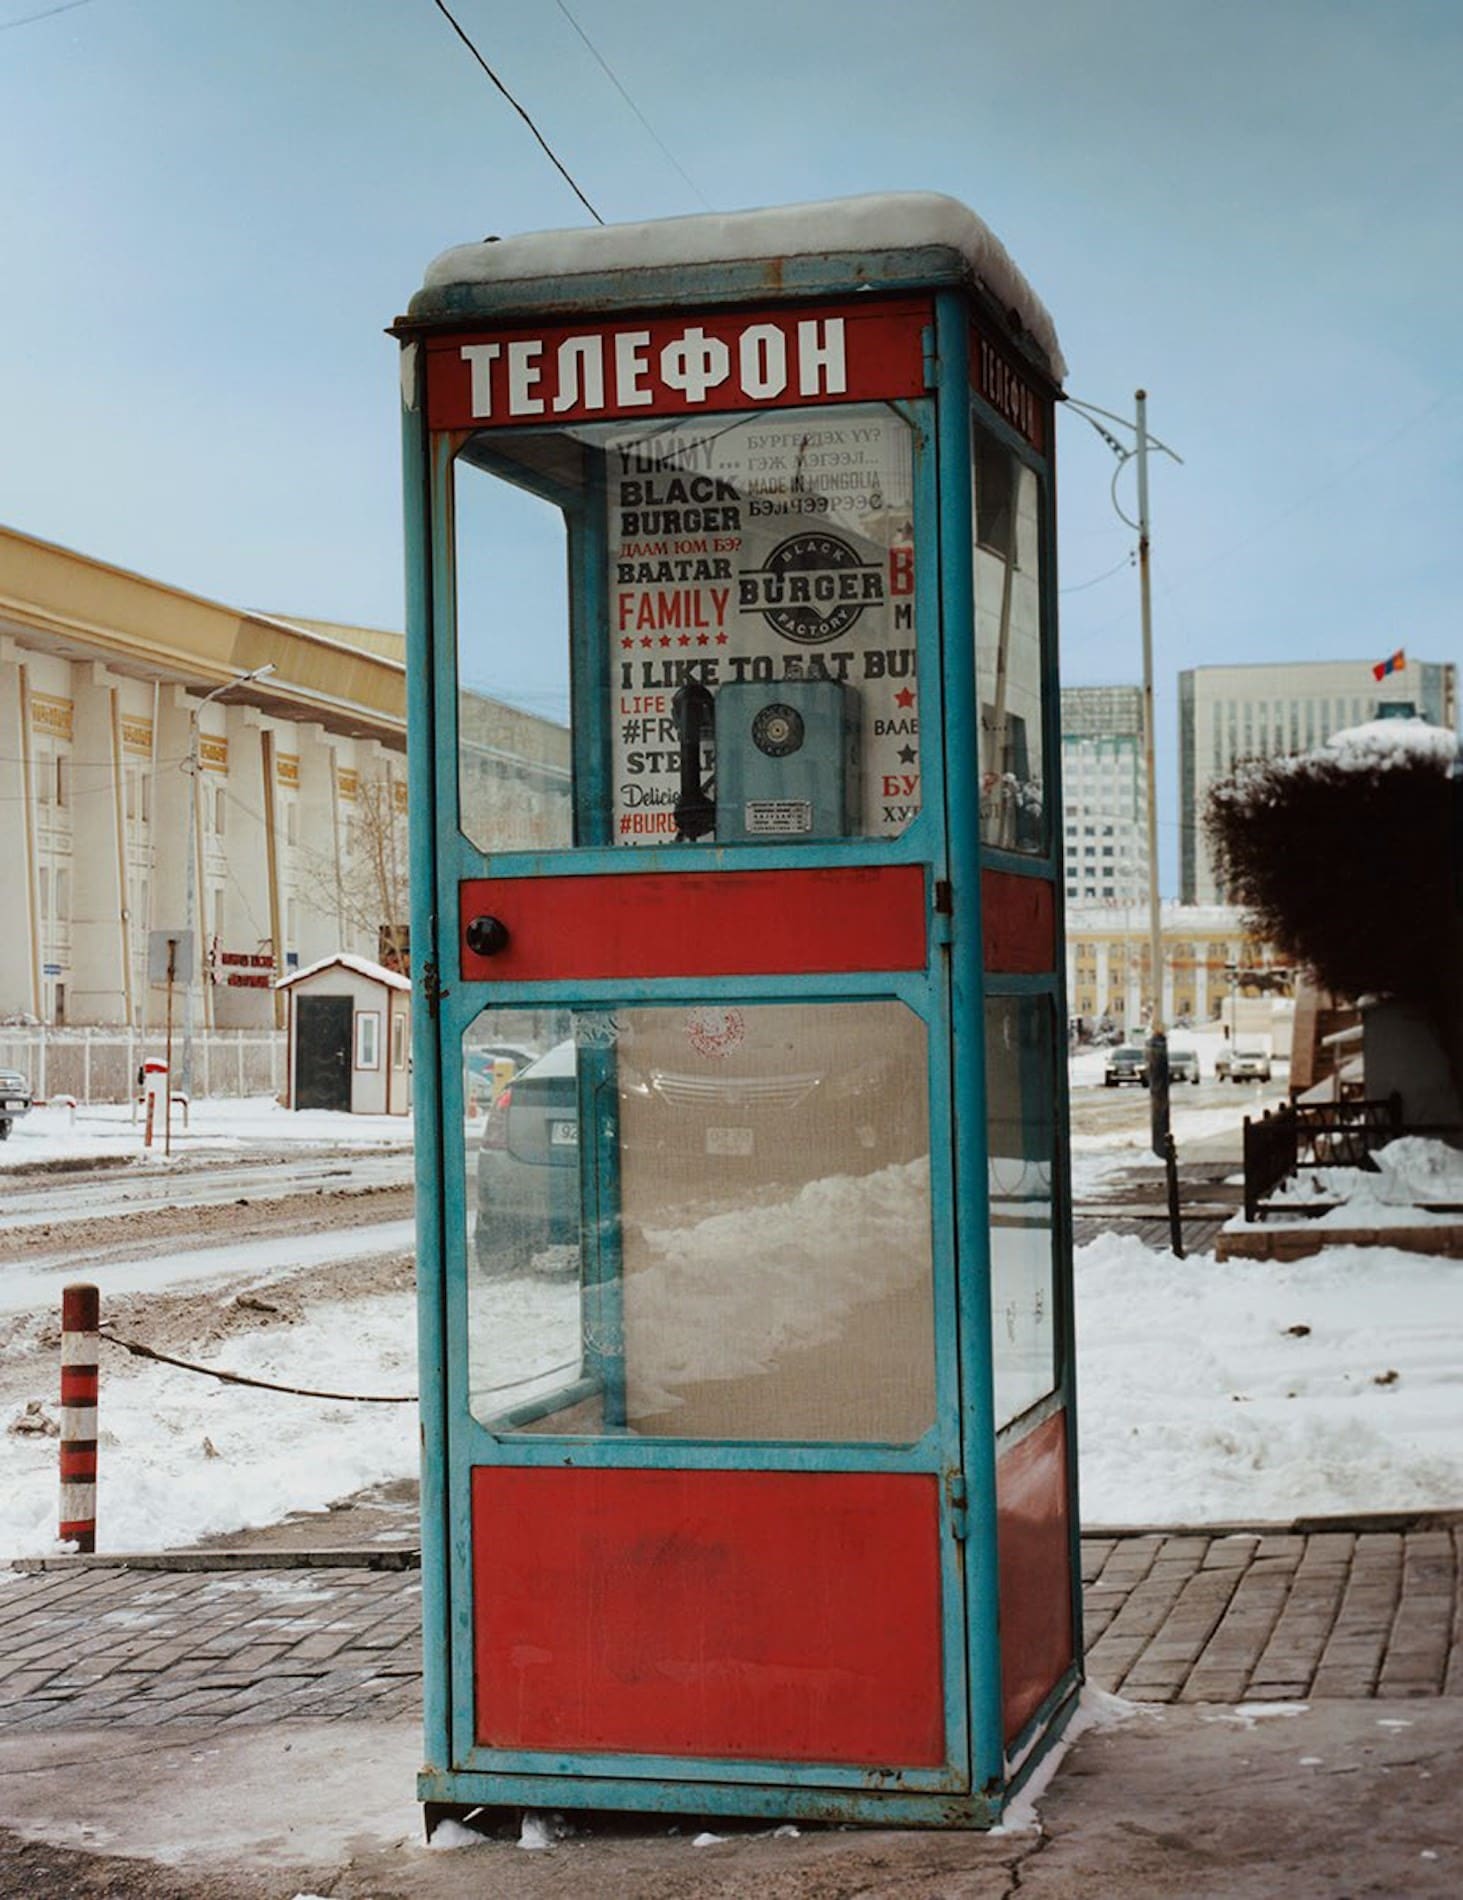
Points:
122	705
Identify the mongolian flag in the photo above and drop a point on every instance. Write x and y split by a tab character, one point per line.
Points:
1394	663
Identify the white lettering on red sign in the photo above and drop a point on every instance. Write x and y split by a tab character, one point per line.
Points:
763	361
1007	393
692	365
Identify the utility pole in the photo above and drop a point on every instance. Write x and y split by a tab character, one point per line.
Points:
1157	1038
1157	1050
194	765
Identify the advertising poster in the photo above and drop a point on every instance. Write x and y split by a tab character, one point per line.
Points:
761	592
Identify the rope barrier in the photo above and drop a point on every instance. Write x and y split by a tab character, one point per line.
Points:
139	1351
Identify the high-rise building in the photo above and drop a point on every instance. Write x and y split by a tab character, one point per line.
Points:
1230	713
1105	796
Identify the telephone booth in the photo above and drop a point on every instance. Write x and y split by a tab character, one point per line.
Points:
746	1304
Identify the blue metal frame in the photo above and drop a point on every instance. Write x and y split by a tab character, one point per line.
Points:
949	997
1046	1723
472	1442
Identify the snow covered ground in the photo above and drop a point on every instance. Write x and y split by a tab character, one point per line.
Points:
1260	1390
1413	1175
1247	1391
182	1457
34	1285
218	1125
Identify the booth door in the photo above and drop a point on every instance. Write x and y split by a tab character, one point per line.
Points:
705	1495
323	1051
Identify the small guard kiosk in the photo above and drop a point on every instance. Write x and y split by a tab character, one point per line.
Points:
746	1312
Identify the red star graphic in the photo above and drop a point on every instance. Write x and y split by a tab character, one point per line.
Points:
704	639
646	641
627	643
721	639
665	639
683	640
904	698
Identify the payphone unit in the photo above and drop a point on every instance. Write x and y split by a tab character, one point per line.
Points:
748	1482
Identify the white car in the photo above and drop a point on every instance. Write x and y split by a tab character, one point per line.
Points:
1242	1065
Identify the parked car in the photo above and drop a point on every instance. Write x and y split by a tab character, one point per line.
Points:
704	1107
15	1099
528	1165
1126	1064
1183	1064
1243	1063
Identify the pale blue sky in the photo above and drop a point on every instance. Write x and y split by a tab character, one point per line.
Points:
1252	207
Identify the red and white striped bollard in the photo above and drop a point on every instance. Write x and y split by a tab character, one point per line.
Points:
81	1309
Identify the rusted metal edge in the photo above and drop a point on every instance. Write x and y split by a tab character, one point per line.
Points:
405	1559
1361	1522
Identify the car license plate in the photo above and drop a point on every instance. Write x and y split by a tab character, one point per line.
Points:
728	1141
14	1105
563	1134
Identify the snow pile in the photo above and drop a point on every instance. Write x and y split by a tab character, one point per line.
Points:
1096	1710
1412	1175
182	1457
1384	744
1254	1391
1422	1169
735	1294
524	1340
876	221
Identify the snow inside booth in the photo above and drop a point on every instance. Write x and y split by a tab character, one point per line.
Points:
349	1036
749	1461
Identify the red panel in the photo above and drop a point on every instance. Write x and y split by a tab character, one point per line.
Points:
785	1616
1019	916
1010	388
690	363
1035	1569
693	923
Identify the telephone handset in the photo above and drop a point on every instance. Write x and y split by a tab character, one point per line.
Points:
694	713
786	760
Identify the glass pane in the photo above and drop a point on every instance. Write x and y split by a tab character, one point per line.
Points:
512	665
745	637
1021	1122
704	1223
1008	647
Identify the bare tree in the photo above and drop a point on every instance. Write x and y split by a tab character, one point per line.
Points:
369	875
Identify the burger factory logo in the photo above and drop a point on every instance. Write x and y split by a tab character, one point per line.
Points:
811	588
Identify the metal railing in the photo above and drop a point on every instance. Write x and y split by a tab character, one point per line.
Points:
1313	1135
100	1065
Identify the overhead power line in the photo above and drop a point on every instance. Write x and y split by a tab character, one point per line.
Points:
29	19
558	163
615	82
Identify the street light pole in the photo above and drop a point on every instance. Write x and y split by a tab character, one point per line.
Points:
1157	1039
190	871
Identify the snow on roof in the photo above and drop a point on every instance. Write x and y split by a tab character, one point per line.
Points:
363	966
1386	742
879	221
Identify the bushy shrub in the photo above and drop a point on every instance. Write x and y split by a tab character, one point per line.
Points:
1345	859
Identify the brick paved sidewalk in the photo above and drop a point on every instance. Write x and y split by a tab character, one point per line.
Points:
200	1648
1275	1618
1222	1618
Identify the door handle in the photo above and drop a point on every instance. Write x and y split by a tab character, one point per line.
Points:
486	936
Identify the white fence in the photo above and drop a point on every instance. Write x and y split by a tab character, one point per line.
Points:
100	1065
